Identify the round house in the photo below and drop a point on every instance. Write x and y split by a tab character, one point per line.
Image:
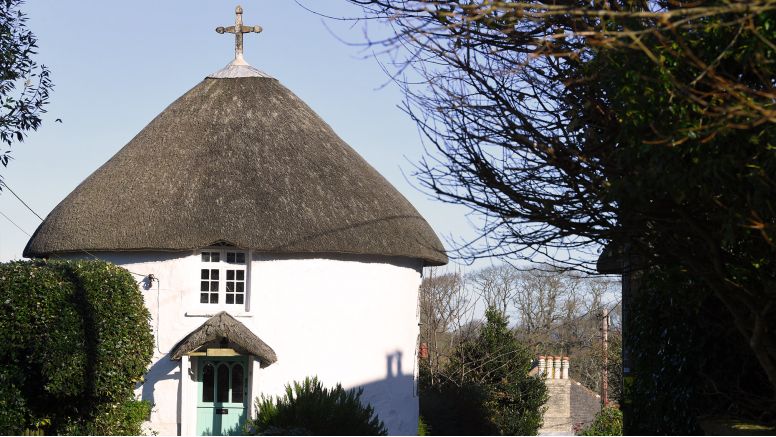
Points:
271	251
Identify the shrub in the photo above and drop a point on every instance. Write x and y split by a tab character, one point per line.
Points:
310	409
75	340
608	421
423	429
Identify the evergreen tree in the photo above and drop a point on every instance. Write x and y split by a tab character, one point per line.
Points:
497	362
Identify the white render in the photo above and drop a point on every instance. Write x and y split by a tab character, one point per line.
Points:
347	319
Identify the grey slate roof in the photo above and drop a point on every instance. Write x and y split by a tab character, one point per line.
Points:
244	161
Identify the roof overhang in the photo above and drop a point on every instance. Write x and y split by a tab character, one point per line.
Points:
223	329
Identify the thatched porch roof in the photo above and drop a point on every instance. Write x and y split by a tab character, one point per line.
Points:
223	326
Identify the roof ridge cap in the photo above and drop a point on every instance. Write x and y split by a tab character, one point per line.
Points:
236	69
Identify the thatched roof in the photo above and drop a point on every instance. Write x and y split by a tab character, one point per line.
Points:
244	161
223	326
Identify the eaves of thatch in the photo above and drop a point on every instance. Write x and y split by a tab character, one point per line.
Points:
245	161
222	328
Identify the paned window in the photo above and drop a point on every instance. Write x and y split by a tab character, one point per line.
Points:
223	382
222	277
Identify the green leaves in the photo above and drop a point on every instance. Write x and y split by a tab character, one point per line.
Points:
608	421
24	85
76	337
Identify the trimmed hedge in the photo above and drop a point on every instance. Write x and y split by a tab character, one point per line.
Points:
76	338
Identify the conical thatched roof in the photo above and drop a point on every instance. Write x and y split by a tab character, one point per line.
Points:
223	326
239	160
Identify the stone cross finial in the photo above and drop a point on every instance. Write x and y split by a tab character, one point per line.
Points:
238	29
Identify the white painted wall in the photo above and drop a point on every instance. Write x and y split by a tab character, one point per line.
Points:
346	319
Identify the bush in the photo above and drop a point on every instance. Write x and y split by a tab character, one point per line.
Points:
75	340
423	429
310	409
608	421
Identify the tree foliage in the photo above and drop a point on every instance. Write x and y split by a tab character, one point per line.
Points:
24	85
689	362
307	408
695	136
485	387
496	361
608	421
453	409
76	340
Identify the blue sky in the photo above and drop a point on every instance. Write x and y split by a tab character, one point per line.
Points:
116	65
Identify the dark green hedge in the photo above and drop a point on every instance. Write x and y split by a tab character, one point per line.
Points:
75	339
689	361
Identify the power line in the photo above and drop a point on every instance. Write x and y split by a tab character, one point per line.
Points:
41	219
12	222
20	200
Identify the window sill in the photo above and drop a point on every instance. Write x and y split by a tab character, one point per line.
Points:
213	313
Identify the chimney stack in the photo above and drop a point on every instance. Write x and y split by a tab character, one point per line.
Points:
551	367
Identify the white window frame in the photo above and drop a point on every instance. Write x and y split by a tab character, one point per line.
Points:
224	268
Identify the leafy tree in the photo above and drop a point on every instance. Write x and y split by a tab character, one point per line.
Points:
689	360
498	363
307	408
24	85
691	170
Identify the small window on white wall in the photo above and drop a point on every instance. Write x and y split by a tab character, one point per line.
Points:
222	277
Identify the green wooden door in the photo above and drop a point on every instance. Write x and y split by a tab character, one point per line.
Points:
222	395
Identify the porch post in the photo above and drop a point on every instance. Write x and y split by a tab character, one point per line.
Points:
186	427
253	384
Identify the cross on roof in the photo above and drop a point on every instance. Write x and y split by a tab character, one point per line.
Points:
238	29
